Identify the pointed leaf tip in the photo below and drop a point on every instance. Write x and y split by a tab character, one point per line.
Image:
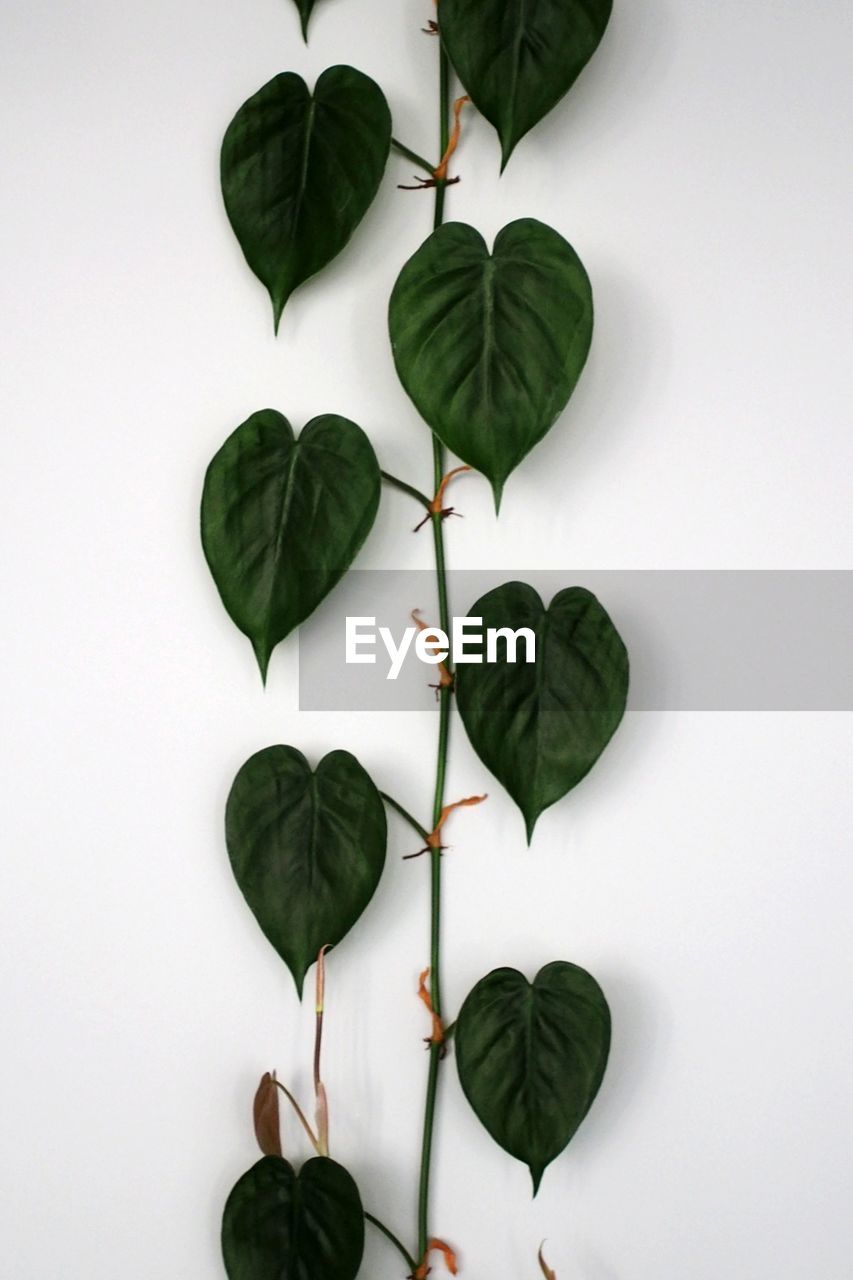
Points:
305	7
518	61
262	657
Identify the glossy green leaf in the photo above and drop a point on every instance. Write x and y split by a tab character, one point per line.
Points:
280	1225
531	1057
307	848
491	346
540	727
300	172
282	519
306	8
517	58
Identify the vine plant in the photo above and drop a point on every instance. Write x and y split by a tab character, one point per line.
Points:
489	346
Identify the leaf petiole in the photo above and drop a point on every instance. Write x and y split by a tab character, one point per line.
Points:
389	1235
312	1137
413	156
410	489
406	816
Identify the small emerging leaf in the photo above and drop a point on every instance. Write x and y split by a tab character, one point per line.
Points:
266	1116
547	1272
282	519
489	346
531	1057
518	59
299	172
279	1225
540	727
307	848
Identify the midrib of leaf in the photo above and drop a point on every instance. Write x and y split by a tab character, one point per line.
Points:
286	503
489	343
295	1216
541	632
312	844
303	172
531	1071
529	997
516	60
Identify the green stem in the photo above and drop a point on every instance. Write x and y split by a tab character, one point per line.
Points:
406	816
435	1050
389	1235
444	128
445	694
426	1150
406	488
413	156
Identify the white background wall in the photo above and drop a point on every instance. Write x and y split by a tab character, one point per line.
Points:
703	872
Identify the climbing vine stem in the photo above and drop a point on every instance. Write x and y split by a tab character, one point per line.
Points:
445	693
444	343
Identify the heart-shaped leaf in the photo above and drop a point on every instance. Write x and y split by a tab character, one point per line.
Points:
531	1057
518	59
307	849
300	172
283	519
541	726
279	1225
490	346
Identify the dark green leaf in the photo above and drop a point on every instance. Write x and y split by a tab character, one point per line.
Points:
490	346
540	727
307	849
279	1225
531	1058
299	173
517	58
305	8
283	519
